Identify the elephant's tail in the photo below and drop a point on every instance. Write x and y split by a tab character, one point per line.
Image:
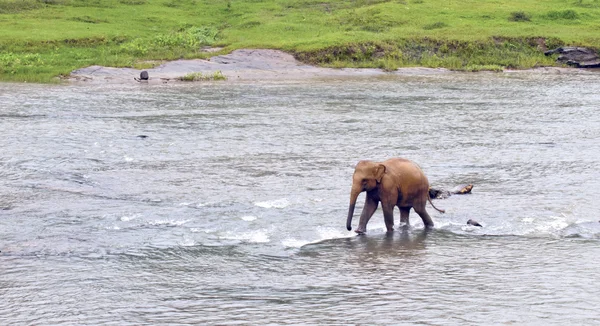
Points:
437	209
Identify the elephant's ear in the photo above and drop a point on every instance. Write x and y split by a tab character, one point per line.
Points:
379	171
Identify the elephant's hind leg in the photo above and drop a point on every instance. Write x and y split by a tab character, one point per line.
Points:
404	212
388	217
427	221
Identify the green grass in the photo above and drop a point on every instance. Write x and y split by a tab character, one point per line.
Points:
198	76
43	39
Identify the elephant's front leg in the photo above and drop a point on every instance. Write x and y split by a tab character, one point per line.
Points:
368	210
388	216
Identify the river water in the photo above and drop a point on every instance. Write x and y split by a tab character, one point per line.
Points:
232	209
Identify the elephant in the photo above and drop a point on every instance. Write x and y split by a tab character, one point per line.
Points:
394	182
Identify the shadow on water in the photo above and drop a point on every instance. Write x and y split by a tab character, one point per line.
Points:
401	242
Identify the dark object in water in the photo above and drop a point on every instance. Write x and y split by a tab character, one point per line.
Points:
143	76
474	223
461	190
436	193
142	136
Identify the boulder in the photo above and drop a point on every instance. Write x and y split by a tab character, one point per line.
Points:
578	57
436	193
143	76
473	223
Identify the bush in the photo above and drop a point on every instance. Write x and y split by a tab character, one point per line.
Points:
12	60
9	7
133	2
198	76
435	26
564	14
189	38
519	16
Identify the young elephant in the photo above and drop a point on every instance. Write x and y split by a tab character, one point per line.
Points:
394	182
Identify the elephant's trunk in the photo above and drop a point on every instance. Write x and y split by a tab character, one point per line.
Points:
353	197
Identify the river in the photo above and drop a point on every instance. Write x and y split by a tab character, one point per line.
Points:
225	203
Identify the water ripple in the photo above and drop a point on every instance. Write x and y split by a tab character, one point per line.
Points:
232	208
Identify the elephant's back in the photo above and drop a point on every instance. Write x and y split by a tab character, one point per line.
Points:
402	166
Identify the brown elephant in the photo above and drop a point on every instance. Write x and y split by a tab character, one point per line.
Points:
394	182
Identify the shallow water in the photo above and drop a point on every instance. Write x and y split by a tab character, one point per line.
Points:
232	209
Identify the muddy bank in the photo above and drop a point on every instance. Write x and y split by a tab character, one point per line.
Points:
248	65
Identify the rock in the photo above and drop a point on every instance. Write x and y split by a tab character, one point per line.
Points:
576	56
435	193
588	64
143	76
474	223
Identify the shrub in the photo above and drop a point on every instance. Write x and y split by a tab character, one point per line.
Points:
133	2
564	14
435	25
9	7
198	76
190	38
12	60
519	16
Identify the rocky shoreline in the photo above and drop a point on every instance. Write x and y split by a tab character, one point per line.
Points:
577	57
246	64
249	65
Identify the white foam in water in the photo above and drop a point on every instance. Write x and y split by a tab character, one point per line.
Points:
187	242
334	233
550	225
323	233
198	230
557	223
294	243
443	224
126	218
168	222
187	204
255	236
249	218
277	203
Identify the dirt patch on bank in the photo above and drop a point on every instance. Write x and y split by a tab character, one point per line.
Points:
243	65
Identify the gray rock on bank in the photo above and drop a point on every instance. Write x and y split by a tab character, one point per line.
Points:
578	57
245	64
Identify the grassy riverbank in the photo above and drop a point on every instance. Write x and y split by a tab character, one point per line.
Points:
42	39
